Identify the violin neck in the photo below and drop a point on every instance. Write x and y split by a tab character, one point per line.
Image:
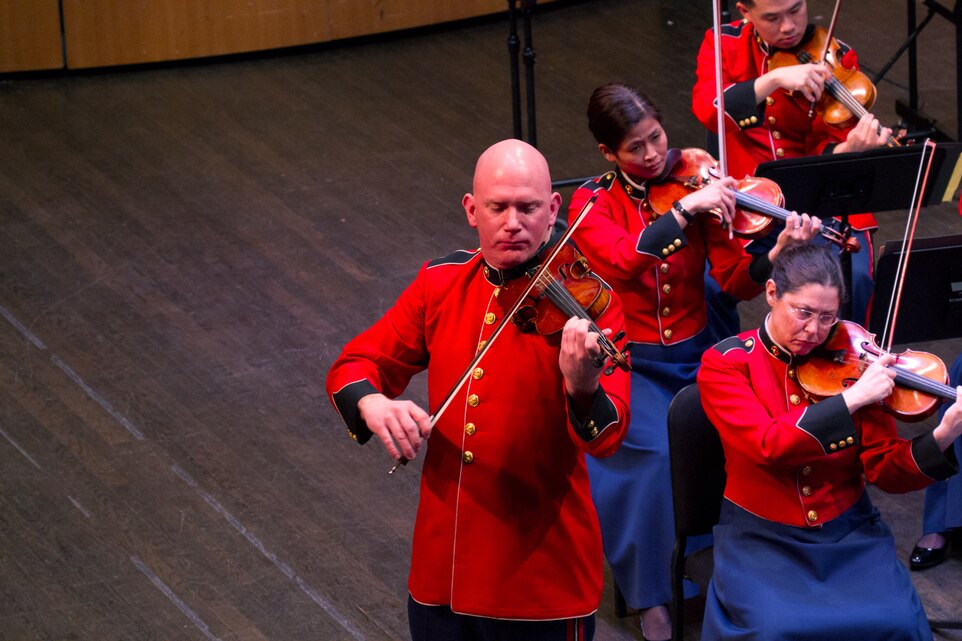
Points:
840	92
910	379
756	204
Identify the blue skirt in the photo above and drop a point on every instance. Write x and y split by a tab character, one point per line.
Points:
841	581
632	488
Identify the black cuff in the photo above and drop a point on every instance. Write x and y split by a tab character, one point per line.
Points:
760	269
830	424
931	460
345	401
662	238
601	416
741	106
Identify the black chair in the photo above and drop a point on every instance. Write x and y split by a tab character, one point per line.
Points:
698	483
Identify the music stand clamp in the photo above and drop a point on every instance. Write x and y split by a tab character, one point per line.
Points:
876	180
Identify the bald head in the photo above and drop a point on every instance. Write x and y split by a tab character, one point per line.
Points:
512	158
512	205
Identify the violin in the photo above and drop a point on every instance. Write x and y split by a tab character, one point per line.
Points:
759	201
920	377
566	288
848	95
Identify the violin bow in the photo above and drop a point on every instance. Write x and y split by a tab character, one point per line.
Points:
915	207
828	43
542	268
720	98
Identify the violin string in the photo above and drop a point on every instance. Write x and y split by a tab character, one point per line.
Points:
908	377
765	207
561	297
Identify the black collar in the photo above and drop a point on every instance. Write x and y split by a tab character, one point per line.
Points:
773	348
500	277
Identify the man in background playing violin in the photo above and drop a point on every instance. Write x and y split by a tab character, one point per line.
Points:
506	544
765	123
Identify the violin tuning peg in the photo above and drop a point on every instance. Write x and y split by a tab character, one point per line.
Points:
620	335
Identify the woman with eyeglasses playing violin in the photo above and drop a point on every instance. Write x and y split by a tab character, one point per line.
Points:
800	551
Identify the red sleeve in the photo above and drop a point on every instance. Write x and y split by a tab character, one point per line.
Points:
601	432
382	358
729	262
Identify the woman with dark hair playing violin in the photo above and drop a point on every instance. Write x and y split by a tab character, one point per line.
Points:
800	551
764	122
656	263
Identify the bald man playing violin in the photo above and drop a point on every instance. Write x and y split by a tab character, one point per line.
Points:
506	539
764	122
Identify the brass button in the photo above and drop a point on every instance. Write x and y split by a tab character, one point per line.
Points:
677	242
780	153
749	342
806	490
664	268
489	318
470	429
794	399
771	120
791	372
352	435
850	440
842	443
754	119
806	470
473	400
477	373
481	345
777	135
628	188
667	333
833	446
666	288
487	272
497	290
670	248
664	252
812	515
468	457
774	350
769	101
666	311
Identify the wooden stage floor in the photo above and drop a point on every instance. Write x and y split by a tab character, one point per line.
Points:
185	249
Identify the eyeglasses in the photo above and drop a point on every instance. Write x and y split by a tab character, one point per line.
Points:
803	316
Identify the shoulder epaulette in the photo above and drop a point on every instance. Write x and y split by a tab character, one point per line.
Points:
733	29
733	342
604	181
459	257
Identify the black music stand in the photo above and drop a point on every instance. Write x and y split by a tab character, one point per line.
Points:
880	179
932	290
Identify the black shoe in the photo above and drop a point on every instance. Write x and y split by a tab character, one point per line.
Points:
924	558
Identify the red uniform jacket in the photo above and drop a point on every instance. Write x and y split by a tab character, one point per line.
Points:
505	526
757	133
797	462
656	267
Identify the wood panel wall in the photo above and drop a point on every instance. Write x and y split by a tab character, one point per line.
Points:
30	35
117	32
